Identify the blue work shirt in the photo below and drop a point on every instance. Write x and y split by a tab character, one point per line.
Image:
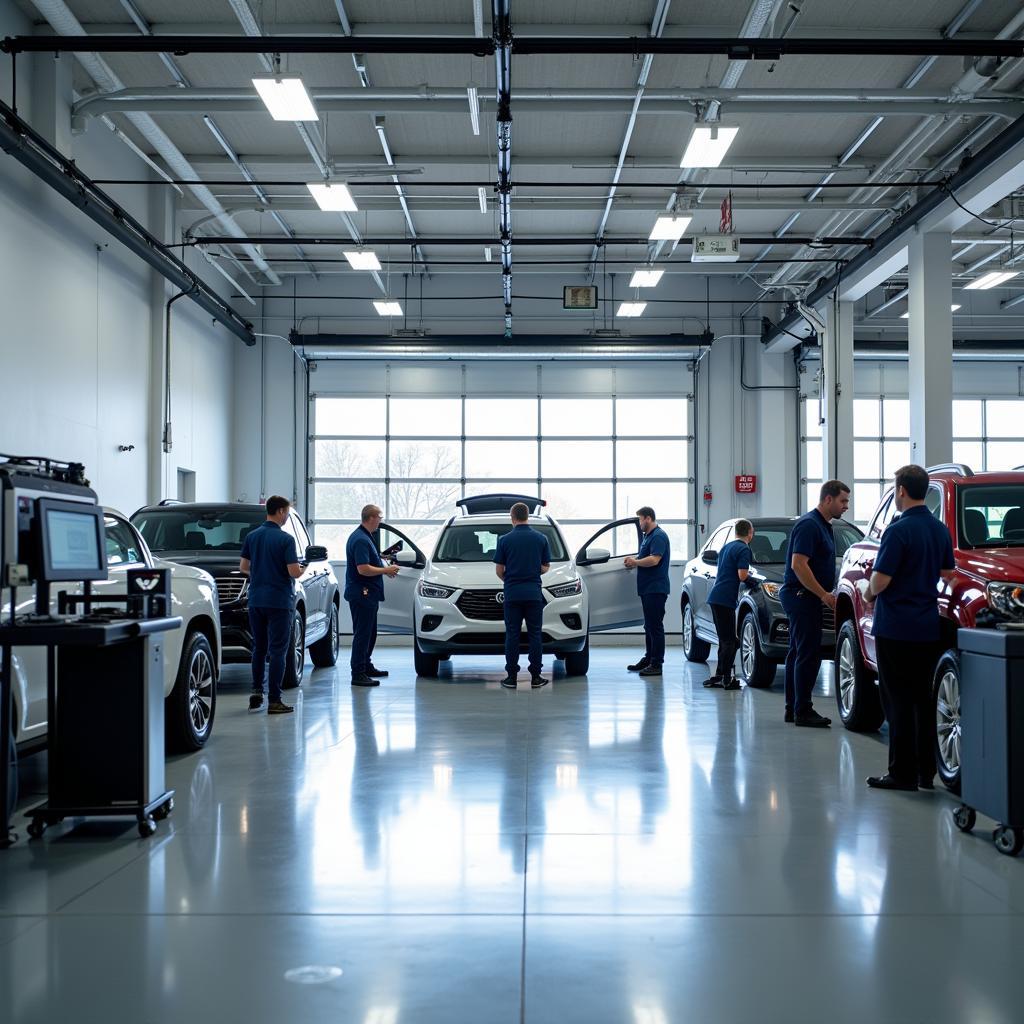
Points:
360	550
812	536
733	557
522	551
915	548
654	580
270	551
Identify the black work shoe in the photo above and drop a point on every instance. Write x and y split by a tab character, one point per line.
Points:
256	702
276	707
713	681
364	680
731	684
377	673
888	782
788	717
925	783
651	670
510	682
812	720
642	663
538	681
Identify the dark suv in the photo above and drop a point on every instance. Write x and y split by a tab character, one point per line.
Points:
209	536
984	513
762	623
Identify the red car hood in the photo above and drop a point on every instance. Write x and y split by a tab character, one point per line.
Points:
993	565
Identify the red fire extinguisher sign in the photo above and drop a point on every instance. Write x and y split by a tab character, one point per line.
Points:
746	484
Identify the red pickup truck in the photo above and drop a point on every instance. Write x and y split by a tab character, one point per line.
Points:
985	516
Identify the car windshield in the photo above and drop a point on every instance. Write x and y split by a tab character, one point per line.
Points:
188	530
475	542
770	540
991	515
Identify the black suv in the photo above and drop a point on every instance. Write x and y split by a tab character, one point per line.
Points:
209	536
762	623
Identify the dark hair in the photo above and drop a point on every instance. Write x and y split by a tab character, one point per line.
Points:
832	489
275	503
914	479
646	511
520	512
744	528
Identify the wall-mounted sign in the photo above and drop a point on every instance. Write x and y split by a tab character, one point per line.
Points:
746	484
579	296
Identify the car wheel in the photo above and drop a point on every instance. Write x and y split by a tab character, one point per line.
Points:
12	770
425	664
757	669
857	698
694	648
324	653
296	659
192	703
578	664
946	695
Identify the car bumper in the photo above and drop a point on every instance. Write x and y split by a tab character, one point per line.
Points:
775	634
234	632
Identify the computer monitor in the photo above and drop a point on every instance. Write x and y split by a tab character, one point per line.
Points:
72	544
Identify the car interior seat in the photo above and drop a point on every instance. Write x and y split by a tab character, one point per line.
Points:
194	541
1013	524
761	549
975	526
470	548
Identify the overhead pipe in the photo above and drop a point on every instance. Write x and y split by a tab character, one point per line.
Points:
32	151
502	26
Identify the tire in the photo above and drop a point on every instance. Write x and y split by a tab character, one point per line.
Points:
12	770
578	664
425	664
756	668
296	659
857	697
324	653
694	648
946	701
192	704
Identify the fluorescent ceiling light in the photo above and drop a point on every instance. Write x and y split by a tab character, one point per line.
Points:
286	97
645	277
708	145
996	277
334	197
669	229
362	259
474	108
631	309
482	196
387	307
906	316
487	253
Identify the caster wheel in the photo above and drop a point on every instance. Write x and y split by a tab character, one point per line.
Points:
964	818
147	827
163	810
36	828
1009	840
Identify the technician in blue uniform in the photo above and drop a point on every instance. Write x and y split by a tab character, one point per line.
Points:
806	591
271	562
653	587
364	591
733	569
915	553
520	559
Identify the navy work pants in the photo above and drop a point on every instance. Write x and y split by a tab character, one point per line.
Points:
271	630
515	613
804	658
905	671
364	632
725	627
654	627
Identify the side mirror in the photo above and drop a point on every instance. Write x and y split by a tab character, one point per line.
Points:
316	553
405	558
594	556
711	557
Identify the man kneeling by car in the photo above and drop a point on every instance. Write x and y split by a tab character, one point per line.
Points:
914	553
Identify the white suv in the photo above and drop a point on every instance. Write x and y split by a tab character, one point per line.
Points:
451	603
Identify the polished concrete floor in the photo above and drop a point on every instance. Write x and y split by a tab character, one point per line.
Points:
606	849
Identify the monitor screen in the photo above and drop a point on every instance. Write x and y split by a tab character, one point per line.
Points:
72	541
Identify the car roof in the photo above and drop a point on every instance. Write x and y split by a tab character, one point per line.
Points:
189	506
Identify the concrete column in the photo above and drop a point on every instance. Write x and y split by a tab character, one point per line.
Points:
777	439
51	99
930	370
837	392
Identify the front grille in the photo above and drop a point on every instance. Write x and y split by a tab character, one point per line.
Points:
230	588
481	605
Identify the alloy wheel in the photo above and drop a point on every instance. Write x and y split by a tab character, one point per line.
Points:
200	691
688	629
847	677
298	647
748	647
947	720
335	634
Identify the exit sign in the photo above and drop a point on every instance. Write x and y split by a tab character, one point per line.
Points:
746	484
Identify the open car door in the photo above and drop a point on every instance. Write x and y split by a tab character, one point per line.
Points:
396	610
611	587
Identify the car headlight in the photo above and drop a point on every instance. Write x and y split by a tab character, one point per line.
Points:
1007	599
771	590
570	589
434	590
